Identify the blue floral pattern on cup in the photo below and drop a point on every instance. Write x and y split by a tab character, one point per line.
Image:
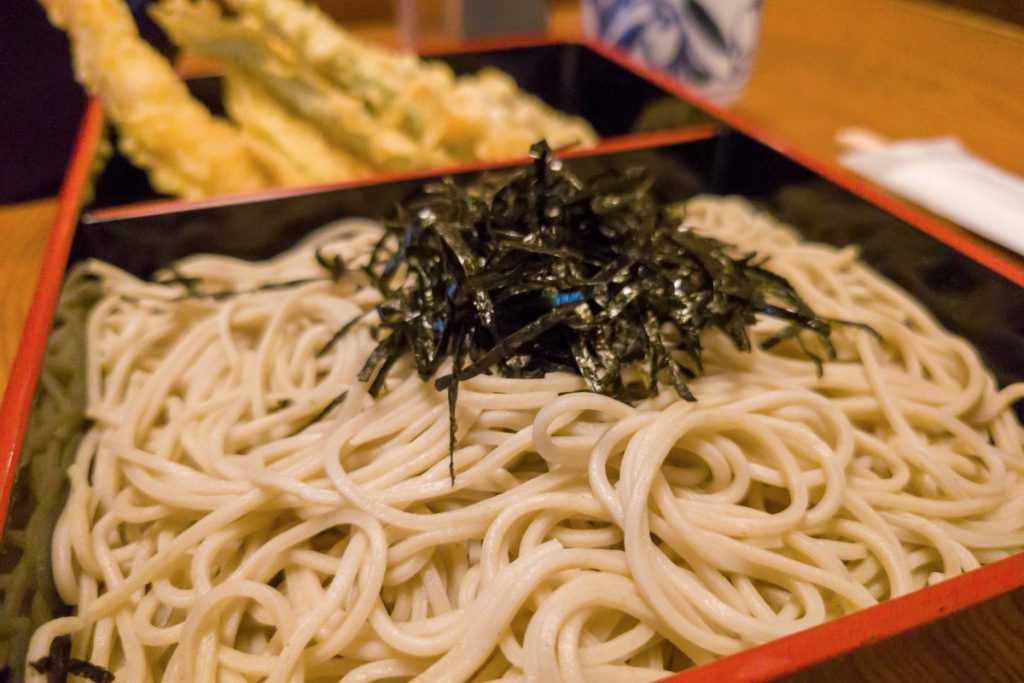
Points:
708	44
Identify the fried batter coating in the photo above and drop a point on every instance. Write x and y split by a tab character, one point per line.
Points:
472	118
308	102
297	148
162	129
391	99
400	90
238	42
488	111
476	117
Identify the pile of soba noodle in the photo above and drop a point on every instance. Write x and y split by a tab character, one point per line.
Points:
213	533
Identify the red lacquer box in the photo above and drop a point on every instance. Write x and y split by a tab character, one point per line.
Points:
968	628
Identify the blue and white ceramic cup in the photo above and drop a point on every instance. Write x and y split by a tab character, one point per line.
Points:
707	44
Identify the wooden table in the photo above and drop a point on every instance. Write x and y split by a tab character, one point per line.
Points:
900	67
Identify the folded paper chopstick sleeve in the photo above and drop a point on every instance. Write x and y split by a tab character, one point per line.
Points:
942	176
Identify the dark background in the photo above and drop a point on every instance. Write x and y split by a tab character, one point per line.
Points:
40	104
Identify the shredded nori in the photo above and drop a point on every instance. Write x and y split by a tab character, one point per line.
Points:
277	579
324	412
336	337
335	266
193	285
538	270
59	664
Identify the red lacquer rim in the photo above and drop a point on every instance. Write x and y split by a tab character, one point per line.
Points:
835	638
772	660
21	384
969	245
508	41
623	143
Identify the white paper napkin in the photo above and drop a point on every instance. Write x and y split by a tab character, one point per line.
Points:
942	176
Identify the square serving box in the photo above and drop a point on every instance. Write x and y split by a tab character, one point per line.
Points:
967	628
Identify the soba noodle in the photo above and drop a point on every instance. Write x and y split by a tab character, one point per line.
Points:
213	533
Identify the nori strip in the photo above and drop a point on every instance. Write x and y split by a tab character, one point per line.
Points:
536	270
336	337
334	403
192	291
59	664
